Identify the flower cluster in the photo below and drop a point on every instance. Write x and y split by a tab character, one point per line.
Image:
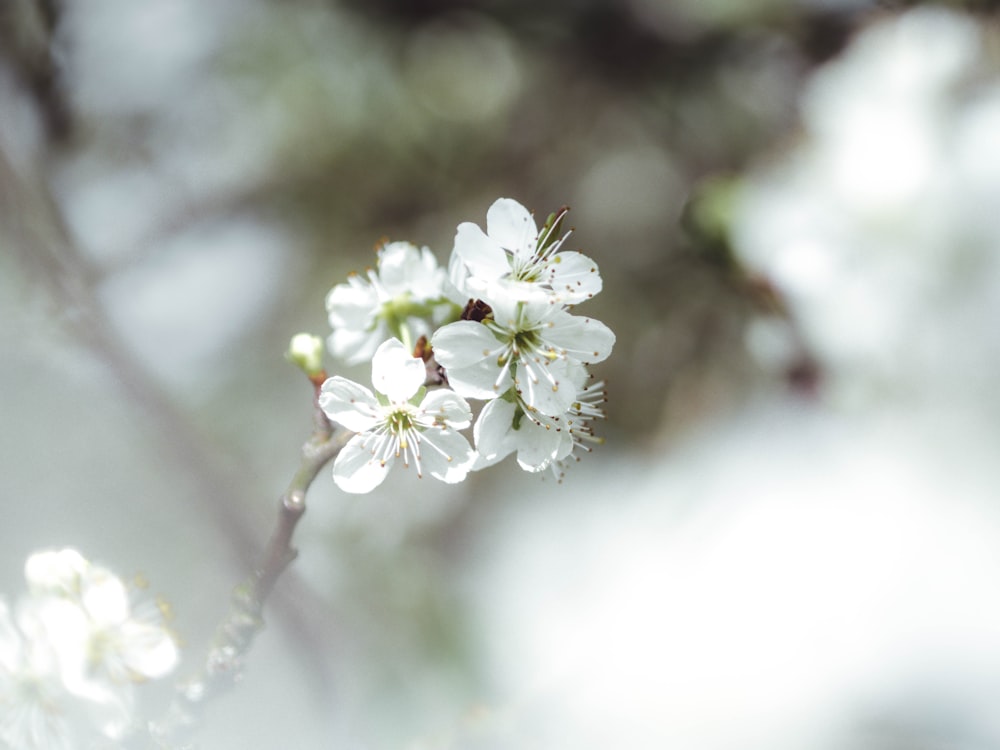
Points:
71	652
496	327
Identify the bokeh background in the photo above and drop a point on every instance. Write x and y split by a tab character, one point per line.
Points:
792	536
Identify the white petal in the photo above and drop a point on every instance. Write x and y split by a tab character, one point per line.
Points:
537	445
148	650
356	470
104	597
510	224
10	640
584	339
55	571
547	386
444	406
574	277
515	291
349	403
396	372
482	255
428	278
492	432
356	346
445	454
482	380
463	343
399	264
352	305
577	374
510	312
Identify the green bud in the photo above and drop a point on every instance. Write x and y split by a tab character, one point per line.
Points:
306	352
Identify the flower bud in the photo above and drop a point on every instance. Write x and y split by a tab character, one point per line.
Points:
306	352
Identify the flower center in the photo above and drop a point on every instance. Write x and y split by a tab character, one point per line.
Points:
525	341
400	421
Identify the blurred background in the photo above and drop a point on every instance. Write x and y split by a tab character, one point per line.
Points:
792	536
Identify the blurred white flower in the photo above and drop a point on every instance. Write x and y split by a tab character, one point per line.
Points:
402	420
402	298
878	229
69	662
512	260
34	704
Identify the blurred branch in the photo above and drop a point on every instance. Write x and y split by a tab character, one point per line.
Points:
26	30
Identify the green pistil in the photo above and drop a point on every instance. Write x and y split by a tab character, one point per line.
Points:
518	416
400	422
525	341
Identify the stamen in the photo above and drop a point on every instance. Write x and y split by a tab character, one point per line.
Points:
416	450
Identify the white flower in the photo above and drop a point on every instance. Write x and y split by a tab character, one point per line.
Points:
532	347
511	260
404	298
68	664
403	420
507	425
87	610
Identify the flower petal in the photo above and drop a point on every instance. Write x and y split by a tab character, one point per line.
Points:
352	305
517	291
396	372
357	345
55	572
547	386
463	343
482	380
482	255
573	277
537	445
403	268
584	339
104	597
396	263
149	650
492	432
445	454
445	407
349	403
356	470
512	226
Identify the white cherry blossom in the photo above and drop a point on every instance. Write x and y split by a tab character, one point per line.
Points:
404	297
402	421
511	259
531	347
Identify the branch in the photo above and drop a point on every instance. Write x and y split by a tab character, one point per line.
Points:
235	635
